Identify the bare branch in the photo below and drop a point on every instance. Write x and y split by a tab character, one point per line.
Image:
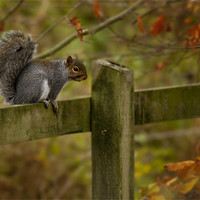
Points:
11	11
92	30
152	10
166	46
115	18
170	65
59	21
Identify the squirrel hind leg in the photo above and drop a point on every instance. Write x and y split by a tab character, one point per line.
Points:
55	106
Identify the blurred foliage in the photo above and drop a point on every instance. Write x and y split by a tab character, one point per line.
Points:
60	168
45	169
162	143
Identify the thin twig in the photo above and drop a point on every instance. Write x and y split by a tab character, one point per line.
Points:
169	66
152	10
129	41
92	30
10	12
146	13
59	21
166	46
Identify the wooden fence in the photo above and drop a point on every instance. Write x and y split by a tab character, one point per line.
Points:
110	114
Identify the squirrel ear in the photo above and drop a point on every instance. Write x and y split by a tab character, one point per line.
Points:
69	60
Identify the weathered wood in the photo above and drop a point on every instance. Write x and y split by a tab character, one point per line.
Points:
164	104
30	122
112	131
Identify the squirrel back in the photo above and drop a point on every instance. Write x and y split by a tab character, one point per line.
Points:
26	80
16	51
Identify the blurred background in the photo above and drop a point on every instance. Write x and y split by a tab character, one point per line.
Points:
157	39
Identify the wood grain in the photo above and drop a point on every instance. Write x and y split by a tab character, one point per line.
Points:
164	104
29	122
112	131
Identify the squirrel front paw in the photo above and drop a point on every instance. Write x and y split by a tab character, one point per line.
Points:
55	106
46	102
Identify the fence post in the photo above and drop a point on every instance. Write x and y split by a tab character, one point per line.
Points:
112	131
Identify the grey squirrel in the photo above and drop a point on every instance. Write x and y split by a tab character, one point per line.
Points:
27	80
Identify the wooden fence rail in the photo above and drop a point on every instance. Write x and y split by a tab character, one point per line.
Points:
29	122
110	114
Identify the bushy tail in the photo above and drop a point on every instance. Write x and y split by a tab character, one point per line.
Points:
16	50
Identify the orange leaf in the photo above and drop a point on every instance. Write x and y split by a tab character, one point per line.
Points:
197	168
97	9
179	165
161	65
185	168
76	22
187	172
2	26
196	8
160	25
139	23
198	157
187	20
193	36
73	21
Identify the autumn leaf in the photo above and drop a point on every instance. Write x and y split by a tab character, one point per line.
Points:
140	24
143	190
153	189
166	181
158	197
171	188
160	25
192	6
2	26
76	23
189	185
196	8
193	36
161	65
187	20
171	181
185	168
179	165
97	9
187	172
198	157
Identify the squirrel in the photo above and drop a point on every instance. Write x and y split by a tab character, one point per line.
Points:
27	80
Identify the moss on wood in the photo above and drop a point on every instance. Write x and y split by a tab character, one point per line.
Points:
112	131
164	104
34	121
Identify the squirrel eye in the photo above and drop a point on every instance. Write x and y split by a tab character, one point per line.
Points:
75	69
19	49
